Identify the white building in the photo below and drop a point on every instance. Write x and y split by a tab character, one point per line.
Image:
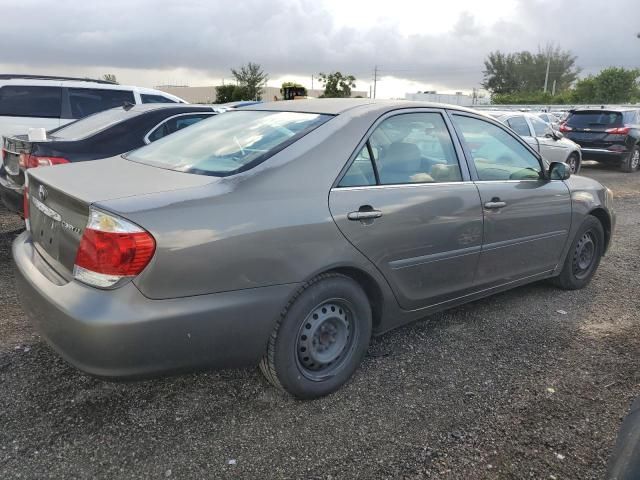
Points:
208	94
458	98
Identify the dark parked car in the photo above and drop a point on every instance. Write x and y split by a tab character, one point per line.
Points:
97	136
287	233
610	135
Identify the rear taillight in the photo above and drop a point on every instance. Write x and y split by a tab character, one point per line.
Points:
565	128
618	130
111	249
33	161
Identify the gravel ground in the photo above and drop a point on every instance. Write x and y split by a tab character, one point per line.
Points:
506	387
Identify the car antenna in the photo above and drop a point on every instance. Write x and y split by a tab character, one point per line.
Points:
127	106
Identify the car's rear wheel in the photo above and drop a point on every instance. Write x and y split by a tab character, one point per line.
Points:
321	338
573	161
584	256
632	162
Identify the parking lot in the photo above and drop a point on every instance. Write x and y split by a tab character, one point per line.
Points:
531	383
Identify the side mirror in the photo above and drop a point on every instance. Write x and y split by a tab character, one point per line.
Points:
559	171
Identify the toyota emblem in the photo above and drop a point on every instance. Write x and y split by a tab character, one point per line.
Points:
42	193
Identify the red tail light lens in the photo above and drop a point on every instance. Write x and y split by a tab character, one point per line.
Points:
565	128
618	131
111	248
33	161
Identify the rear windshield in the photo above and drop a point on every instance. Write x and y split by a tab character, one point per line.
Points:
228	143
92	124
595	119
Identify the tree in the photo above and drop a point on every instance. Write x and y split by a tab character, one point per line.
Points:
292	85
241	92
224	93
526	71
611	85
337	85
253	78
109	77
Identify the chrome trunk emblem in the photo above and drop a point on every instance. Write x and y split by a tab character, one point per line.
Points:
42	193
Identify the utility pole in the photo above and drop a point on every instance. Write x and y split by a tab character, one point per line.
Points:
546	77
375	80
553	89
311	82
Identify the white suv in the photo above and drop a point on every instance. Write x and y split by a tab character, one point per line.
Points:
29	101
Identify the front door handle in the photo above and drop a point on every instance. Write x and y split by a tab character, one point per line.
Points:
495	203
364	215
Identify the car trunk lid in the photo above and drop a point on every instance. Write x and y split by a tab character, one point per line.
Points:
60	198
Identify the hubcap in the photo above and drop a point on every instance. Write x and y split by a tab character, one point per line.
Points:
635	160
584	255
573	164
325	338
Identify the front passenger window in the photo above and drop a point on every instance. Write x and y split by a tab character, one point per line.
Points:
496	154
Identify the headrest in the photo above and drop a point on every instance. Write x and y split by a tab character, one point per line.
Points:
402	157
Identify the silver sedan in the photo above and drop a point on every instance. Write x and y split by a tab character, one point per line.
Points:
542	137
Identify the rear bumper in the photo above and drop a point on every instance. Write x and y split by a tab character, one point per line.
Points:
122	333
11	195
603	155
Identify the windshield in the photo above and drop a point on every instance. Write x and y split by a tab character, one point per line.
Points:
92	124
228	143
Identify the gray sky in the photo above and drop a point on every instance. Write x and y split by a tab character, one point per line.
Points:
418	44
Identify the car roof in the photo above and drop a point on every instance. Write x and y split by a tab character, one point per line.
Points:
340	106
36	81
605	109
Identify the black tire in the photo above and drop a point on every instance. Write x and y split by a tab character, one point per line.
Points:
583	257
573	161
632	162
310	353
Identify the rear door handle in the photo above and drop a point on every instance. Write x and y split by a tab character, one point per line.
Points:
495	203
364	215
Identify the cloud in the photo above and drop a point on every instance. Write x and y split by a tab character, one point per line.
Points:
301	37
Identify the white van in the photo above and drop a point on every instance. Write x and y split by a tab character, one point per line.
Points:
30	101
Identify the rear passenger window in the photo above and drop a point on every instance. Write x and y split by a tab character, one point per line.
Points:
406	148
18	101
155	99
520	126
360	173
414	148
496	154
85	101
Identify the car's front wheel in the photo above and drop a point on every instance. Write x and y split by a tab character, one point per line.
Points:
584	256
321	338
632	162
